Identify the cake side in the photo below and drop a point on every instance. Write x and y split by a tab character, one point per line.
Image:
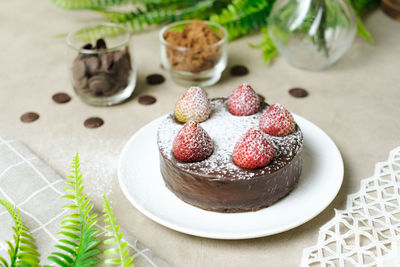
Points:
231	195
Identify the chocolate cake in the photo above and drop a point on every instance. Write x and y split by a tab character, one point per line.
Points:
216	183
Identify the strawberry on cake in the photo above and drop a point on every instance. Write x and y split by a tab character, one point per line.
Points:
229	154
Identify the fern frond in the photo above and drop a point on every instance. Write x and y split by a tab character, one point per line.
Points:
360	7
24	253
143	18
362	31
120	250
79	246
242	16
87	4
267	46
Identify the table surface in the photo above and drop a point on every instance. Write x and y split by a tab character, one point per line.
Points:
356	102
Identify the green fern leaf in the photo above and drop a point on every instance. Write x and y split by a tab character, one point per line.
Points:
267	46
243	16
79	247
120	251
144	18
24	252
147	16
87	4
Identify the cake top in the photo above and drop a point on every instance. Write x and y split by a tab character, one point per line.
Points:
225	130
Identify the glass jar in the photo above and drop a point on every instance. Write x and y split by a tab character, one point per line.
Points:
197	65
312	34
102	70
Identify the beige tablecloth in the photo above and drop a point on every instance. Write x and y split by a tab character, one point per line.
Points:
356	102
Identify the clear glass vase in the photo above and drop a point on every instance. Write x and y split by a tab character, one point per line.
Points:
312	34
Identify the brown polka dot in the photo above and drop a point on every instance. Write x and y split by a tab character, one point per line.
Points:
147	100
155	78
61	98
239	70
93	122
29	117
298	92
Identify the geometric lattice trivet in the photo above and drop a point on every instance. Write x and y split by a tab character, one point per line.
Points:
363	233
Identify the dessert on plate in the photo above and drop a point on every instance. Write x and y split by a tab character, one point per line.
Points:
231	154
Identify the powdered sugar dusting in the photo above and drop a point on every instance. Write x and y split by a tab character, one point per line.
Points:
243	101
193	105
277	121
192	143
225	129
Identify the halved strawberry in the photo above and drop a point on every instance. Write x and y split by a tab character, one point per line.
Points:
252	150
192	143
243	101
277	121
193	104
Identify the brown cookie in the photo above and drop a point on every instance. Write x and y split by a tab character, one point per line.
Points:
147	100
92	64
87	46
239	70
29	117
61	98
93	122
155	78
101	44
298	92
100	84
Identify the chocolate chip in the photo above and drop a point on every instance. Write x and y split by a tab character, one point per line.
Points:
61	98
147	100
239	70
87	46
107	61
78	68
298	92
29	117
101	44
92	63
100	84
93	122
155	79
261	97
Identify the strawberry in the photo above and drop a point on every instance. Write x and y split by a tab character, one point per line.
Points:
252	150
193	105
277	121
192	143
243	101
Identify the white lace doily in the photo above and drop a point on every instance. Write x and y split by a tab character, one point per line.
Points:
367	232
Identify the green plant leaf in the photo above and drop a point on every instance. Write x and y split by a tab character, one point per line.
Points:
23	252
79	247
118	253
243	16
267	46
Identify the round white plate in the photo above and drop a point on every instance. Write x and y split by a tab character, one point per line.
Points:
141	181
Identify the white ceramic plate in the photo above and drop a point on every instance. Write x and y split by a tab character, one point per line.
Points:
141	181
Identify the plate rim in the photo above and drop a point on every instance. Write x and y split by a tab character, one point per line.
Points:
224	236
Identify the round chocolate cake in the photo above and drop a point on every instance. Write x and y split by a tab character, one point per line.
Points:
216	183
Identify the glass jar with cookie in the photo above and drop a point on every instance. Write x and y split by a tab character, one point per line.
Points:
102	69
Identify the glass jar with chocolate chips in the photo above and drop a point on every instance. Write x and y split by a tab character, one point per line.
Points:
102	70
